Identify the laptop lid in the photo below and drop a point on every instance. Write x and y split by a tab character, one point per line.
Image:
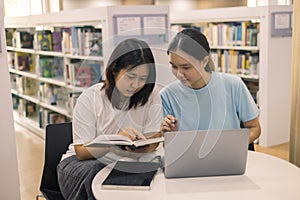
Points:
205	153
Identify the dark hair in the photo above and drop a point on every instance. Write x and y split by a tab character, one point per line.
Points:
192	42
127	55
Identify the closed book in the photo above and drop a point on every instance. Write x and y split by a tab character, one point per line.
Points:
56	41
128	175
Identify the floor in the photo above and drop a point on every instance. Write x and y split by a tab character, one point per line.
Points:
30	154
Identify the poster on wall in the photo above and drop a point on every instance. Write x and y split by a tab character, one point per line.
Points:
152	28
281	24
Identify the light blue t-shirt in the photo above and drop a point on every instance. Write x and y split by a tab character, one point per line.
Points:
222	104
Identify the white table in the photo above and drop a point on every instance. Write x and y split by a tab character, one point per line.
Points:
266	177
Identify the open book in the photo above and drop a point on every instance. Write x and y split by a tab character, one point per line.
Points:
131	176
121	140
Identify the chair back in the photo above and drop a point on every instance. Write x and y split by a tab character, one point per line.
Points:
58	138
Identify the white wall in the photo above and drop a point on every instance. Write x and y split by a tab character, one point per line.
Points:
179	5
9	182
77	4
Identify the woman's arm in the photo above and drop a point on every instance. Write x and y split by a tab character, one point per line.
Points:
84	153
254	127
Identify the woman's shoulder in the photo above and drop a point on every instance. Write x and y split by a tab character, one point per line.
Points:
229	78
94	88
92	91
173	86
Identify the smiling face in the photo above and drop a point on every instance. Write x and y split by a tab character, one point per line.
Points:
130	81
188	70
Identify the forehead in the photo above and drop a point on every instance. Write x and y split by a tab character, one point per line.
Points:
179	58
139	70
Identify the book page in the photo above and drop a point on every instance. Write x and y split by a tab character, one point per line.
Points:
110	140
138	143
121	140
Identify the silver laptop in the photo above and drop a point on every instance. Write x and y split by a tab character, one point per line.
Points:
205	153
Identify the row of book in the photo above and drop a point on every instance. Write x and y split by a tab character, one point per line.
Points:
236	62
46	116
85	40
24	85
52	94
42	115
82	73
25	108
232	34
44	92
37	113
244	33
76	72
76	40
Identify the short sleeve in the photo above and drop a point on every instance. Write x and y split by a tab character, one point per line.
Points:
84	117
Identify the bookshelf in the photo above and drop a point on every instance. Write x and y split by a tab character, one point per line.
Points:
268	73
53	57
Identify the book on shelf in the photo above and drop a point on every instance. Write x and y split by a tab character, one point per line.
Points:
52	94
57	39
44	40
21	107
23	39
71	101
25	85
9	34
117	139
82	73
46	66
127	175
252	34
24	62
51	67
11	59
243	33
30	109
95	43
55	118
15	101
29	86
82	40
66	40
46	116
236	62
13	80
69	70
58	65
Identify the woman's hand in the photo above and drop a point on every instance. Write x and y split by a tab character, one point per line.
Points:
170	123
132	133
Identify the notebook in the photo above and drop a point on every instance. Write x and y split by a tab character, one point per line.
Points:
127	175
205	153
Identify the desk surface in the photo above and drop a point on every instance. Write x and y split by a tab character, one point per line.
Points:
266	177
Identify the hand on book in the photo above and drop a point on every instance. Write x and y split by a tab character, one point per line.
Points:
132	133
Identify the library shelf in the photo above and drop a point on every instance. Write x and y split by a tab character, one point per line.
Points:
53	57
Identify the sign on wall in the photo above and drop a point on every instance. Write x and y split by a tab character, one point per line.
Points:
281	24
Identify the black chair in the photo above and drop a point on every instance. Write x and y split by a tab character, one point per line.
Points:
58	138
251	145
